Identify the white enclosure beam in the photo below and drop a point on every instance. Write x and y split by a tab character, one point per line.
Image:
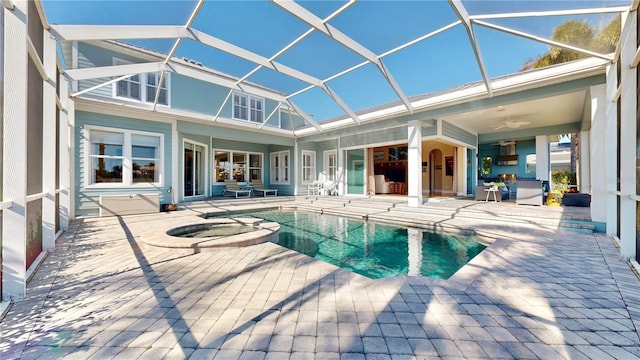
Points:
460	10
116	70
14	219
245	54
64	154
42	14
49	150
9	4
308	17
118	32
543	40
222	105
90	89
35	58
525	14
421	38
303	115
225	82
275	110
341	103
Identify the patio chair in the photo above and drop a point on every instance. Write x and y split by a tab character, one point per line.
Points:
258	187
233	189
315	188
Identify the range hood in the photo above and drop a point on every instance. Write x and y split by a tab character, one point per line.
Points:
508	154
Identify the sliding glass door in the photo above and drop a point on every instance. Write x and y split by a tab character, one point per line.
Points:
194	160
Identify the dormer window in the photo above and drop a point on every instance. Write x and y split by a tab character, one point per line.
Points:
246	107
142	87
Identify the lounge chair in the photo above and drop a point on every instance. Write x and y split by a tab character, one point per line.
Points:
258	187
232	189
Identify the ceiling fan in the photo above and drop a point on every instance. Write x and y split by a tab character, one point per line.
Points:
505	142
511	124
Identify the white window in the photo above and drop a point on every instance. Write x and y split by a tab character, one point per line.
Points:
142	87
280	167
123	158
331	164
129	88
308	166
153	79
248	108
233	165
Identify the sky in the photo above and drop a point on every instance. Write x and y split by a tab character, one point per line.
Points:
441	62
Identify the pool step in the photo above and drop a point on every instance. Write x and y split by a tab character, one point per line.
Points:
430	214
560	224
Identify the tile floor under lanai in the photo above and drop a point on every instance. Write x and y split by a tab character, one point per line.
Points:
536	293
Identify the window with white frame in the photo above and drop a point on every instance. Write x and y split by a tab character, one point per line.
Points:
233	165
246	107
331	164
308	166
142	87
153	79
255	167
118	157
280	167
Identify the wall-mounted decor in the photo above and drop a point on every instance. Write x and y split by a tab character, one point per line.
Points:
397	153
448	161
378	155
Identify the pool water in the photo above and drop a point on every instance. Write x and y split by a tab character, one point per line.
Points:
210	230
372	249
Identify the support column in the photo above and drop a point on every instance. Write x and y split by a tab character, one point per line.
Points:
628	138
340	173
603	152
474	170
294	165
49	151
64	156
14	219
543	161
73	157
610	154
584	172
175	168
414	163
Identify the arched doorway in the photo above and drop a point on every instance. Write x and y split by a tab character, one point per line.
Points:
435	173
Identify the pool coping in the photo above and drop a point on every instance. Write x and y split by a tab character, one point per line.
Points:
158	237
461	279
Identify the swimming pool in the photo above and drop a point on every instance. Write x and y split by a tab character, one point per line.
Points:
372	249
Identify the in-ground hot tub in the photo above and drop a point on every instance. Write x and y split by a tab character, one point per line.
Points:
211	230
204	235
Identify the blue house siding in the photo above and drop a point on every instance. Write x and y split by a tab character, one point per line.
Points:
198	96
459	134
220	132
224	144
90	56
429	127
523	148
87	199
398	134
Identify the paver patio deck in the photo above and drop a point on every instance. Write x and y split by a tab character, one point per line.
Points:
535	294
